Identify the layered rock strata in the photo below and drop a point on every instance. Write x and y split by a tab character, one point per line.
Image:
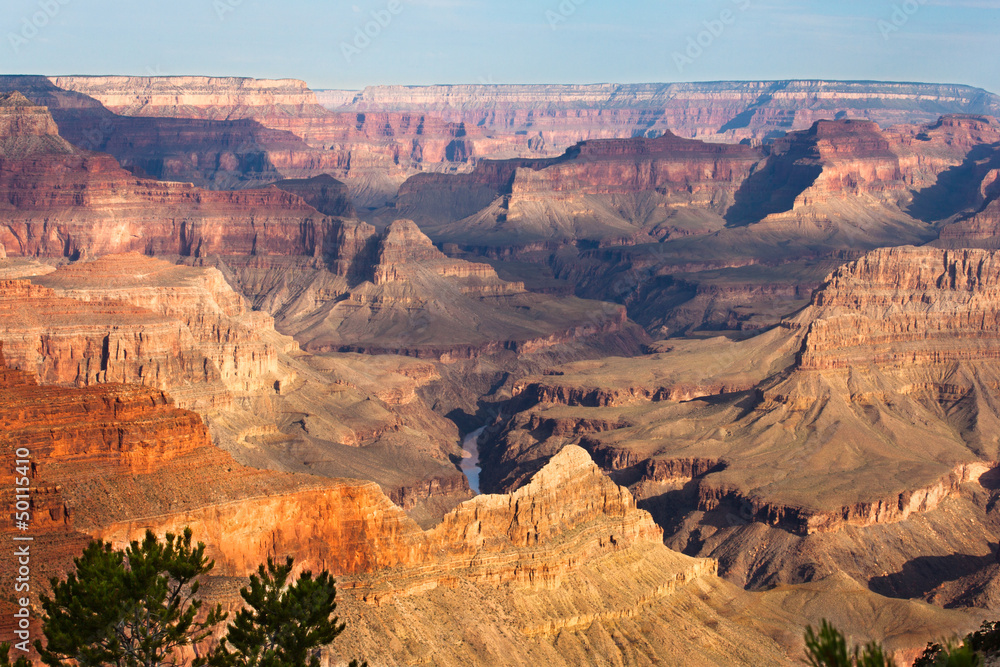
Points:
400	295
243	130
113	460
871	407
561	115
131	318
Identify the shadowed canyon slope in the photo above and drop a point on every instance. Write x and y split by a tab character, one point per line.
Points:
136	319
569	557
691	235
347	286
839	184
230	132
276	315
870	414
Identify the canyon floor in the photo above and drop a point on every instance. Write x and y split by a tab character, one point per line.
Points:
727	354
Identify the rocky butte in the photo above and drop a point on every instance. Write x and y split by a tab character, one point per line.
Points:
230	132
862	424
199	330
93	207
113	460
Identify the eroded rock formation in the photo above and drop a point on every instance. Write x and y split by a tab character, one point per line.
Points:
872	406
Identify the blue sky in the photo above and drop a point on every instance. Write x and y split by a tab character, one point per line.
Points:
508	41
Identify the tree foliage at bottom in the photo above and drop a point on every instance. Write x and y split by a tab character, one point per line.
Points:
128	608
828	648
282	625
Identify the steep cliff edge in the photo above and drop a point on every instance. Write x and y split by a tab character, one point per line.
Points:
213	98
229	133
394	292
335	284
131	318
608	191
873	406
61	201
569	558
232	133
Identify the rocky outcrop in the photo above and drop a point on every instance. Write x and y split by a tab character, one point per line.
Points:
229	132
134	319
112	461
324	193
64	202
806	521
240	342
872	407
610	191
355	290
63	341
900	307
400	295
554	554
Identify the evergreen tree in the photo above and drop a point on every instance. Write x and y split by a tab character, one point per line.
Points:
130	608
5	658
829	649
281	626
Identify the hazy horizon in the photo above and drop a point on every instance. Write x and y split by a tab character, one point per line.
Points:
442	42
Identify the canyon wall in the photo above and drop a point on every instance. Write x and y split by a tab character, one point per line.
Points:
729	111
872	407
247	132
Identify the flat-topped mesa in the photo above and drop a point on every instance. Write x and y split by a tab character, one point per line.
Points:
857	158
606	190
852	156
728	110
216	98
668	164
842	182
140	320
666	145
